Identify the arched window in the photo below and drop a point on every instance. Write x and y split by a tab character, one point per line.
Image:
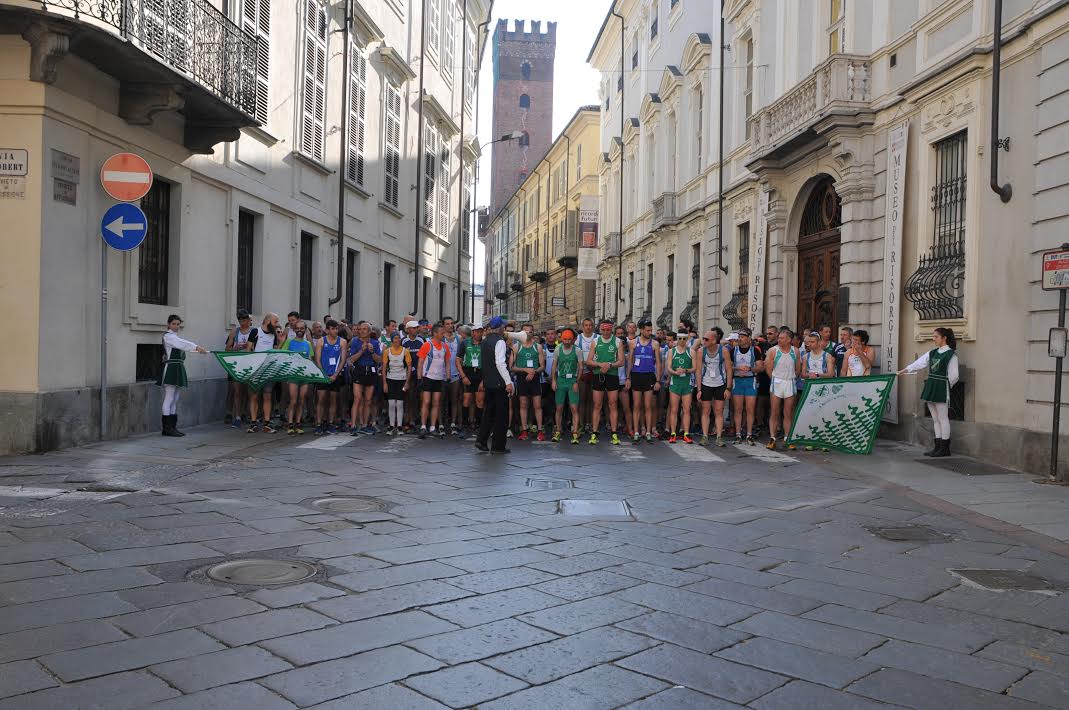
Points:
526	70
525	101
525	139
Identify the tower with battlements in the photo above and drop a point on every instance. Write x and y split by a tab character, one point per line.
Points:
523	101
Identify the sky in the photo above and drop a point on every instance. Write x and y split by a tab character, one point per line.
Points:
575	83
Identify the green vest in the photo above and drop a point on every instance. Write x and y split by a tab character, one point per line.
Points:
681	361
937	386
472	353
567	364
527	357
606	351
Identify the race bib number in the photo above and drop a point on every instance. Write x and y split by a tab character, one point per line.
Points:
570	375
530	363
332	361
475	362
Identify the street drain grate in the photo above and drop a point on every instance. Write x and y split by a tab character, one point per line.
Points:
105	488
909	533
967	467
594	508
547	484
258	572
351	504
1002	580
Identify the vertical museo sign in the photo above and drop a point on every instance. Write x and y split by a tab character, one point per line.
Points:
756	308
589	251
897	140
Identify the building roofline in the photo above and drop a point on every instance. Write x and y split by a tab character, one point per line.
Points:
601	31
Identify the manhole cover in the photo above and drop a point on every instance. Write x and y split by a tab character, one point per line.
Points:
260	572
1001	580
967	467
550	483
350	504
594	508
909	533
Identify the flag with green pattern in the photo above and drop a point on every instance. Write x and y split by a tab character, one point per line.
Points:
257	369
841	413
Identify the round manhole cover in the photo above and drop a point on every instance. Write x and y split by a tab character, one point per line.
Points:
260	572
350	504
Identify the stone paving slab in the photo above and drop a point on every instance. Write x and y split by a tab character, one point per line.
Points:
473	644
240	696
220	668
563	657
465	685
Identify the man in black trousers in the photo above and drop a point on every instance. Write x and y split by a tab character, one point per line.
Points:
497	382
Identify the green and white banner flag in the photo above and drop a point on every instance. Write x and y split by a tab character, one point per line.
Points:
841	413
257	369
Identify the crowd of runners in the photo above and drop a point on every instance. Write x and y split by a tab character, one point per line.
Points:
626	381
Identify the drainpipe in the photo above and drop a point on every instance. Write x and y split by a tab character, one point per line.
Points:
620	236
461	214
419	154
343	164
720	171
475	186
1005	192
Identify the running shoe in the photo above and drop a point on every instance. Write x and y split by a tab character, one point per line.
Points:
649	438
236	422
809	448
368	430
290	430
541	436
354	432
720	442
615	439
508	433
556	437
423	432
299	429
687	439
672	438
750	440
318	431
254	428
522	436
704	441
593	438
791	447
635	438
771	445
575	437
268	429
441	433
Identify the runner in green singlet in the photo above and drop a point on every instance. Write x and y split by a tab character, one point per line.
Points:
680	390
565	383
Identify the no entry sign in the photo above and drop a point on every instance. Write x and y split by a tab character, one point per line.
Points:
126	177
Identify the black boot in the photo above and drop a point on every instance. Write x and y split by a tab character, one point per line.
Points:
168	426
174	426
937	444
943	450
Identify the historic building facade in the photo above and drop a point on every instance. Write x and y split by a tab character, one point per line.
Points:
532	242
856	168
263	140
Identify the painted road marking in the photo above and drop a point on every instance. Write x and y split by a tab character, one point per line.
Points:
328	442
694	452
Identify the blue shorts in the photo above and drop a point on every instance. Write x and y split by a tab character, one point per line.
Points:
744	387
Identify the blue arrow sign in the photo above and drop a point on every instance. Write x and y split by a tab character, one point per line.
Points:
123	226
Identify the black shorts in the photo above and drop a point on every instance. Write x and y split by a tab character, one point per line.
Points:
764	385
643	381
525	388
334	386
475	377
429	385
606	383
710	394
365	376
395	389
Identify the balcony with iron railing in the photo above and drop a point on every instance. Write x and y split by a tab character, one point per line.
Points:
515	280
664	210
840	86
168	55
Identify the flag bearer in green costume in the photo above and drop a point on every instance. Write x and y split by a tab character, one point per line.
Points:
942	364
173	377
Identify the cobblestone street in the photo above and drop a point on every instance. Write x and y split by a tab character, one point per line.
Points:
691	578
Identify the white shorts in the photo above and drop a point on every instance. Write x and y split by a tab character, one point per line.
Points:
784	389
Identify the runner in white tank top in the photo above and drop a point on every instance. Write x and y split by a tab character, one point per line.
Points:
783	363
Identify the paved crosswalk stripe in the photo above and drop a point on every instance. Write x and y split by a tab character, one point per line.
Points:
328	442
762	454
694	452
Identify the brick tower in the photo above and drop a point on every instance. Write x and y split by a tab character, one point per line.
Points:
523	101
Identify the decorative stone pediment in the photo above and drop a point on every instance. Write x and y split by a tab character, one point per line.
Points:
439	114
631	131
943	111
696	51
395	67
651	106
365	29
671	80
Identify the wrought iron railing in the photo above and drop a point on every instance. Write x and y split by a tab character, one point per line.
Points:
190	36
690	312
735	309
937	288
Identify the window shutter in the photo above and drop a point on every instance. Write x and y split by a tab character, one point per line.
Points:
434	26
448	41
357	116
469	77
393	143
430	172
444	165
256	20
314	81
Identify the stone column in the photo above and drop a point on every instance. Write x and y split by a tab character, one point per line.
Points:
777	280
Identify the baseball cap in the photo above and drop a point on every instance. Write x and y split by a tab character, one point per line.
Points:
495	322
476	326
412	324
731	337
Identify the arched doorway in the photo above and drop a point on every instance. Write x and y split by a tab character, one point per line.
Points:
818	258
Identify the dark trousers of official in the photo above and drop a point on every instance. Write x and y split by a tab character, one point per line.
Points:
495	417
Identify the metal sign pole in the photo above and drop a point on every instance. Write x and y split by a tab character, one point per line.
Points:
1055	429
103	340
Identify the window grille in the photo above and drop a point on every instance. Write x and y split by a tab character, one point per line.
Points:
246	254
154	252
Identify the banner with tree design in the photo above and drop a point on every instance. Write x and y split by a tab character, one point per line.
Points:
841	413
257	369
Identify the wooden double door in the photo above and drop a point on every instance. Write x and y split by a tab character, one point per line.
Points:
818	282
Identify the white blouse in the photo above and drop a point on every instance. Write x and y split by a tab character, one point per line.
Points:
172	341
922	362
